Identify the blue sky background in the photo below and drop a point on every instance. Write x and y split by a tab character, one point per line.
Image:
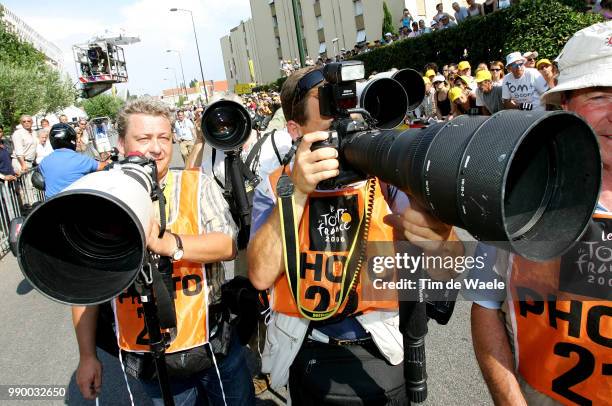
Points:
66	23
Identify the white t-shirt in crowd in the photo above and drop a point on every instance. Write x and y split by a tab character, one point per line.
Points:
183	129
43	150
526	89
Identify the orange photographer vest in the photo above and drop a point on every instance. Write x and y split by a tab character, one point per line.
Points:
327	229
191	291
562	327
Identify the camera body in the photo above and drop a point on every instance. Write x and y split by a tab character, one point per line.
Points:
338	98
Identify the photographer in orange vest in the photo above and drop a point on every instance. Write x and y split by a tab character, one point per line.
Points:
356	355
549	340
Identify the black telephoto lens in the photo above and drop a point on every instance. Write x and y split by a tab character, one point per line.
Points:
527	179
226	125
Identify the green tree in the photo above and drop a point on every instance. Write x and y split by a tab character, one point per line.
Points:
27	84
31	90
14	51
193	83
102	105
387	21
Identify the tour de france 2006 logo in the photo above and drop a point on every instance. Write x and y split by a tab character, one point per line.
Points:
333	222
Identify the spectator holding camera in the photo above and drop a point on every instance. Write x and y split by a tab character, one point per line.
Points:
554	346
364	348
200	234
522	87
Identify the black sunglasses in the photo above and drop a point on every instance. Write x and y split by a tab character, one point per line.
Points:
307	82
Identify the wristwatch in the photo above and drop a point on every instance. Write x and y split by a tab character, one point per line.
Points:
178	253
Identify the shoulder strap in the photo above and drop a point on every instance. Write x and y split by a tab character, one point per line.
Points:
280	159
256	150
212	168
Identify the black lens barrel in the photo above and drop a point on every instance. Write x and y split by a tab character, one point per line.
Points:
226	125
527	178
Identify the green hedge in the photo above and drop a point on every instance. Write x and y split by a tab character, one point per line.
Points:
272	86
541	25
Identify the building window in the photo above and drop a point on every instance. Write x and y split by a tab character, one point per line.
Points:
319	22
270	1
274	21
361	36
322	48
358	4
278	42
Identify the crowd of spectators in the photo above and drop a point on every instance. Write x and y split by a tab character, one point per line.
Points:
517	83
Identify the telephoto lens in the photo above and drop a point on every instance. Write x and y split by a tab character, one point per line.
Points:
87	244
527	179
226	125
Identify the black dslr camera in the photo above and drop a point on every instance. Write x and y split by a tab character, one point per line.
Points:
381	101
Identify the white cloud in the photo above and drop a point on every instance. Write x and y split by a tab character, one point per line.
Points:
158	29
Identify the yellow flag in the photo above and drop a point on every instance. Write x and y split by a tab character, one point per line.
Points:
252	70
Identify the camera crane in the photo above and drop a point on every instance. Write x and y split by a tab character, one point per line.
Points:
100	62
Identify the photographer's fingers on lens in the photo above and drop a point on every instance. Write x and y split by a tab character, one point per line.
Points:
311	138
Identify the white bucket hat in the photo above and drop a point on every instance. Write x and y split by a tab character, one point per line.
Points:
585	61
514	57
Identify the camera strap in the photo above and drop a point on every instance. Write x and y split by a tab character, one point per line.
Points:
291	253
152	280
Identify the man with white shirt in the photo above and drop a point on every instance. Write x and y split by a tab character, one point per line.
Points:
461	13
522	87
184	134
24	144
43	148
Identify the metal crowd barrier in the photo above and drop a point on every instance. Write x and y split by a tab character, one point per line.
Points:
16	198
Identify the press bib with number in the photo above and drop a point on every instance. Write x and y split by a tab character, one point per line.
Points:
561	313
327	236
190	294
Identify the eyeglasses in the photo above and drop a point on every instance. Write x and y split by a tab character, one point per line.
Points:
516	65
530	59
26	121
495	69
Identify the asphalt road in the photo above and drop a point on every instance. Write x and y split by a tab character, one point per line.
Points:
38	347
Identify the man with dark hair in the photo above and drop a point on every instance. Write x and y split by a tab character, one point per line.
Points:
6	168
64	165
200	234
357	357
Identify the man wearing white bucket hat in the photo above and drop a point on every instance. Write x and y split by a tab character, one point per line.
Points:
557	348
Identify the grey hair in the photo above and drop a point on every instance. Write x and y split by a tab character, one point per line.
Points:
143	105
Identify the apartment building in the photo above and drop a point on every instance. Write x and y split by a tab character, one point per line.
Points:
27	34
253	50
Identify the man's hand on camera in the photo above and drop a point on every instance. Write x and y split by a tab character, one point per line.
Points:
164	246
421	228
312	167
89	377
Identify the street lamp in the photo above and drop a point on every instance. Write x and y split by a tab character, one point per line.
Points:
197	48
182	71
174	72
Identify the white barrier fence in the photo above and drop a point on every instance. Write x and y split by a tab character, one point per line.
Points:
15	197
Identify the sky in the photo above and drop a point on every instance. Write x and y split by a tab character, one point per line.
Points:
67	22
